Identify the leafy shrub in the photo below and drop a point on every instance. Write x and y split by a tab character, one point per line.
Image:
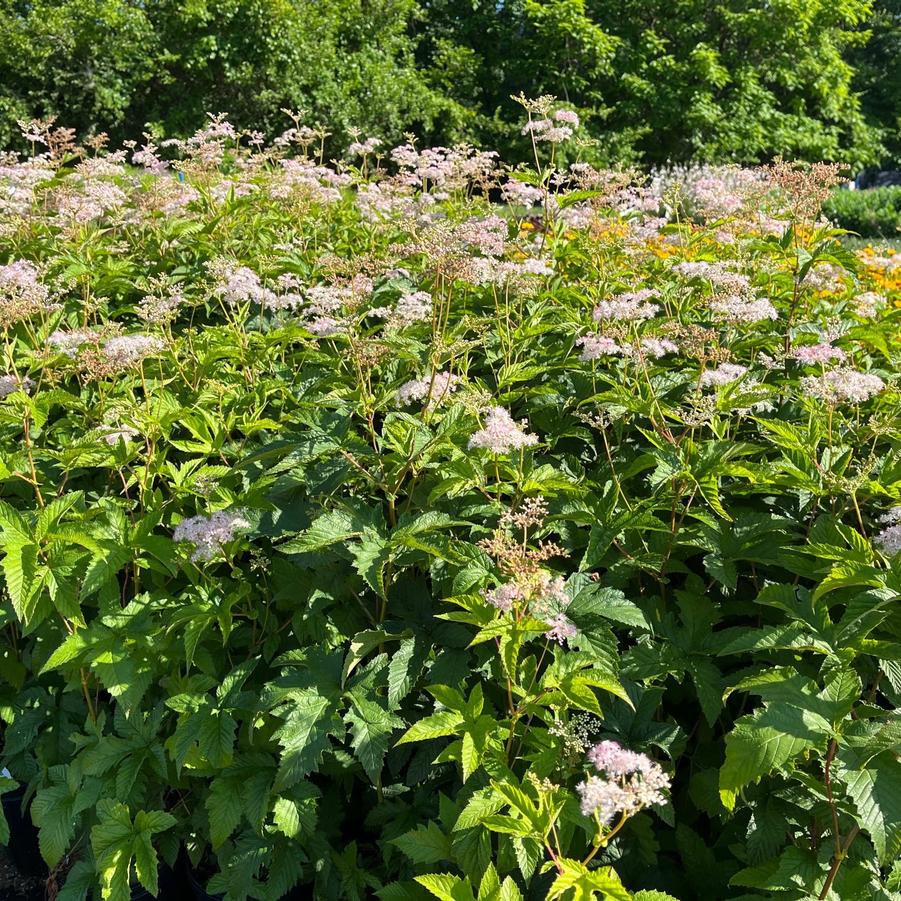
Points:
655	81
357	537
874	213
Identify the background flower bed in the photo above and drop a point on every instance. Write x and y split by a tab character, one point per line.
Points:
360	538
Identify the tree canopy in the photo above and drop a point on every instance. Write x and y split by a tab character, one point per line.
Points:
655	80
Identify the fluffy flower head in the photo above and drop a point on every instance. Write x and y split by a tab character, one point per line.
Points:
502	433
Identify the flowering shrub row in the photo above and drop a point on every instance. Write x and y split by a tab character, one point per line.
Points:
409	527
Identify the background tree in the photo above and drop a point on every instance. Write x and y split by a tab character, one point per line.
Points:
878	75
84	60
654	80
662	80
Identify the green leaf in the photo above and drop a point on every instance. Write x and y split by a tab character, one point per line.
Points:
116	840
576	877
371	727
370	557
708	682
765	741
330	528
225	809
216	738
364	642
79	881
404	669
447	887
483	803
53	812
6	785
652	895
304	737
875	790
593	599
425	844
444	722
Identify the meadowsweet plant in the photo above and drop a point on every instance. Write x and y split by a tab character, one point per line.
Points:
361	537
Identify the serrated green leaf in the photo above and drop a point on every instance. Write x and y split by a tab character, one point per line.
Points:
425	844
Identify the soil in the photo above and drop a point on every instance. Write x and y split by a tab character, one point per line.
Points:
14	886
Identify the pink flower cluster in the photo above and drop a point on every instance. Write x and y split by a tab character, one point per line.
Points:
208	534
239	284
488	235
520	193
363	148
562	628
742	308
69	343
543	595
409	308
659	347
811	354
501	433
324	313
434	390
629	306
442	167
843	385
722	375
630	782
553	130
21	292
128	350
596	346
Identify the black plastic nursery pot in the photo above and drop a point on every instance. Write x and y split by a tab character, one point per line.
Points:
23	836
196	886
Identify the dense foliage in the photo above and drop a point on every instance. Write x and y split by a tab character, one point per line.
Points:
874	213
878	74
356	536
654	80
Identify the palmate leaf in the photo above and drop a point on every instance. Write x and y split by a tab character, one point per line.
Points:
425	844
445	722
767	740
305	735
371	727
117	840
587	885
53	812
875	789
447	887
593	599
